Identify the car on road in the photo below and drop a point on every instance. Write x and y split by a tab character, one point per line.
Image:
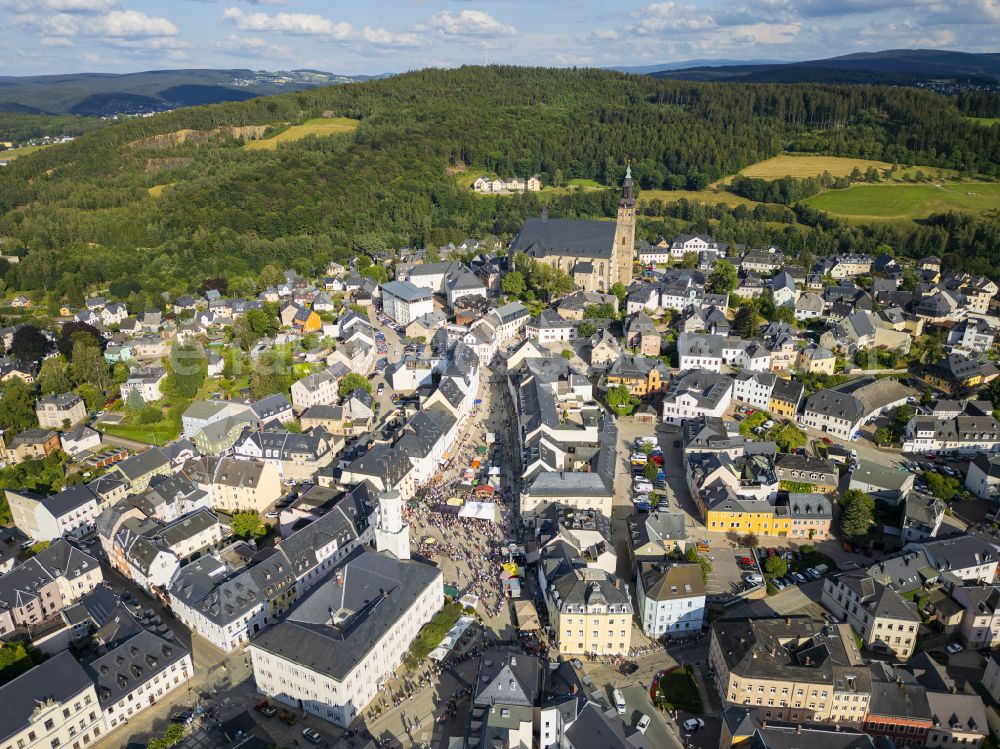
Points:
312	735
954	648
693	724
380	389
628	668
266	709
619	701
643	724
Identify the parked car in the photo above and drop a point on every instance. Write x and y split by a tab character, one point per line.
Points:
746	561
693	724
619	701
799	577
778	584
643	724
954	648
266	709
312	735
628	668
183	719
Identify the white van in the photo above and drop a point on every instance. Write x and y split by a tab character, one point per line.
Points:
619	701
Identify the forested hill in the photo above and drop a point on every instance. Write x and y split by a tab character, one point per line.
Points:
84	214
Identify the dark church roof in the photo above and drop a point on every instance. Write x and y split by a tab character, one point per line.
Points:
558	236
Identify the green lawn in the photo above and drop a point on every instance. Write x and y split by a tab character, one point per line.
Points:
901	201
587	183
13	153
158	433
320	126
678	691
985	121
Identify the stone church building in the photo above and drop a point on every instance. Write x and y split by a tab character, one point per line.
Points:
596	254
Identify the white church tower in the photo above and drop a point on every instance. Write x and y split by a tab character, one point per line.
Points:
392	533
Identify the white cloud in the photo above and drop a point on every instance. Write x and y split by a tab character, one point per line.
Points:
255	45
307	24
474	23
118	24
60	6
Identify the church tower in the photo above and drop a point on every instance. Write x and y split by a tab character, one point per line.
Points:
392	533
623	252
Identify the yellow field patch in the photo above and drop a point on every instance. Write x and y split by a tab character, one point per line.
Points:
709	197
157	190
802	166
13	153
319	126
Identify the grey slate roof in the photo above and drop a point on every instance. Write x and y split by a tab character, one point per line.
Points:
591	239
130	665
406	291
339	622
59	678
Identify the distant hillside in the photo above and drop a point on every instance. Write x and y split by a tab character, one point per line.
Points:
101	94
896	67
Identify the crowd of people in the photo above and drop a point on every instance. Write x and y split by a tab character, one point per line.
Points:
475	548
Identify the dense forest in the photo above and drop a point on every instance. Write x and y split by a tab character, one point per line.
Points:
82	215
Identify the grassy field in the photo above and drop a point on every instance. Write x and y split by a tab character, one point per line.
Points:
803	165
157	190
588	184
985	121
907	201
710	197
319	126
13	153
158	433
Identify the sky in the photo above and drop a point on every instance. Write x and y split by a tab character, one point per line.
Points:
387	36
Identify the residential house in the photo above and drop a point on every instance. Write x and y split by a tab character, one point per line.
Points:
980	627
882	482
956	720
815	359
640	331
694	393
671	599
137	674
233	484
70	512
815	669
146	381
316	389
60	411
786	395
32	444
983	476
641	375
784	290
296	456
851	266
810	515
886	621
201	413
973	335
550	327
52	704
33	593
841	410
228	606
80	441
219	436
403	302
794	471
922	517
956	373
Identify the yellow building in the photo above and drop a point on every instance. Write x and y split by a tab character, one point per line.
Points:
956	372
786	395
641	375
591	612
737	496
797	670
817	360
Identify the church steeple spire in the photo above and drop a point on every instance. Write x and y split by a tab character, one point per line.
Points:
628	189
